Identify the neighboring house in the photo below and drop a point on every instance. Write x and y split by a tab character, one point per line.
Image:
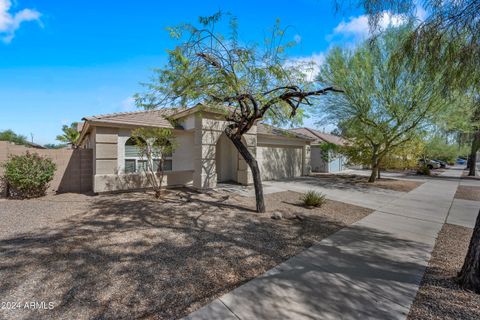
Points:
322	161
203	155
34	145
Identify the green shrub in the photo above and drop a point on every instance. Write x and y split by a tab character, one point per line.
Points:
313	199
28	175
423	170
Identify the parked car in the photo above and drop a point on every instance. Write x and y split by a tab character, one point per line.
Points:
431	164
461	161
442	164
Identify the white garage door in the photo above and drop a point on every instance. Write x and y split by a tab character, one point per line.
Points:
279	162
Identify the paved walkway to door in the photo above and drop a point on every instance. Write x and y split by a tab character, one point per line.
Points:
370	270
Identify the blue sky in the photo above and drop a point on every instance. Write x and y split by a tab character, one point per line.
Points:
63	60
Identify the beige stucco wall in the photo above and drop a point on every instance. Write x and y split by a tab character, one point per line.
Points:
110	161
318	164
203	156
226	159
208	130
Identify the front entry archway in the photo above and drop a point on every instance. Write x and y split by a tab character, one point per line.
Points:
226	160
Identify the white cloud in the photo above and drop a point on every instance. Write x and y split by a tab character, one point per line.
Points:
128	104
357	29
309	65
10	21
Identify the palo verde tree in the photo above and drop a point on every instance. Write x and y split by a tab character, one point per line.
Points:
450	34
447	31
385	103
249	82
70	135
154	145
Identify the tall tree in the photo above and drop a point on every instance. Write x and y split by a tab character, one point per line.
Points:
385	103
70	135
475	145
449	33
248	82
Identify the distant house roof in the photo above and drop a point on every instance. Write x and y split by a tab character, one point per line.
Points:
320	137
34	145
266	129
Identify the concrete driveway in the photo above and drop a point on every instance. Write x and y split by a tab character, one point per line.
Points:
372	198
370	270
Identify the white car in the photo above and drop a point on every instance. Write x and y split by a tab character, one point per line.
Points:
431	164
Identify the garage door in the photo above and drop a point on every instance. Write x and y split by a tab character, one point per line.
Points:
279	162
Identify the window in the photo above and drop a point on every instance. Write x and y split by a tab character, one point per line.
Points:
167	164
134	162
130	166
142	165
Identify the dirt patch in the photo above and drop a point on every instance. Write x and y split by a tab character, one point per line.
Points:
362	182
468	193
439	296
132	256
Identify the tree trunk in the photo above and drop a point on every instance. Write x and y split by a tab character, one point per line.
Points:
375	167
472	159
469	276
252	163
374	174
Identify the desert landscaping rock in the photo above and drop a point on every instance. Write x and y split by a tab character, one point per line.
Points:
468	193
358	181
132	256
277	216
439	296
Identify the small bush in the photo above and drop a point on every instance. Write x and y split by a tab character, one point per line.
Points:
424	170
313	199
28	175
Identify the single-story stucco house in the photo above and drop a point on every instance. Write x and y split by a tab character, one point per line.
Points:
203	155
324	161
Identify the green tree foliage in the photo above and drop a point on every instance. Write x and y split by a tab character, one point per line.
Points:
438	148
405	156
248	82
28	175
385	103
449	32
55	146
9	135
449	39
70	135
154	144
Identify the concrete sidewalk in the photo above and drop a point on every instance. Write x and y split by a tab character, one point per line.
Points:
370	270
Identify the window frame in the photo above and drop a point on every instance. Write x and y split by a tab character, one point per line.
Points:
138	159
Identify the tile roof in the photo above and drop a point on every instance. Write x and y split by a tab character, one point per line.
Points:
320	137
266	129
152	118
157	118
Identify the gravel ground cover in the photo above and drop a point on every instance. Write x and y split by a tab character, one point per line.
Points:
358	181
20	216
468	193
131	256
439	296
